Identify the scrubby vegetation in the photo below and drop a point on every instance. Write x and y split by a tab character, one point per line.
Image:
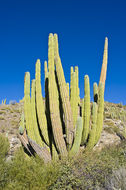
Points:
104	169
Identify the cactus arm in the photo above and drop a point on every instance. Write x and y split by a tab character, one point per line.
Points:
54	102
100	112
64	95
92	133
86	116
74	99
34	118
46	69
40	106
95	92
68	89
27	107
82	108
77	84
77	141
104	63
71	73
54	152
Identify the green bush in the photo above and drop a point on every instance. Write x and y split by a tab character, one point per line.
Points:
4	147
117	180
90	170
30	173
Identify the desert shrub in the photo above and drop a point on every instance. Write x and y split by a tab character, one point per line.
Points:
30	173
117	180
90	170
66	178
4	147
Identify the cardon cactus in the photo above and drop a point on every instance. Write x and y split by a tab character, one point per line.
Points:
63	93
95	92
92	132
77	140
55	127
104	63
74	94
86	114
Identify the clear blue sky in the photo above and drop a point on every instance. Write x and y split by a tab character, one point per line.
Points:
81	27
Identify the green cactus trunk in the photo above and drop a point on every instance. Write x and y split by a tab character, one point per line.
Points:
100	112
77	141
86	116
64	96
95	92
92	133
55	125
82	108
39	104
34	118
104	64
77	85
68	89
27	107
54	102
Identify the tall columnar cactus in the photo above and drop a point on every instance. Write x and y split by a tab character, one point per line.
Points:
53	151
39	104
27	107
100	112
46	69
74	94
54	103
95	92
77	84
58	124
73	99
71	73
34	118
92	132
82	108
77	141
68	120
104	63
86	116
68	89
